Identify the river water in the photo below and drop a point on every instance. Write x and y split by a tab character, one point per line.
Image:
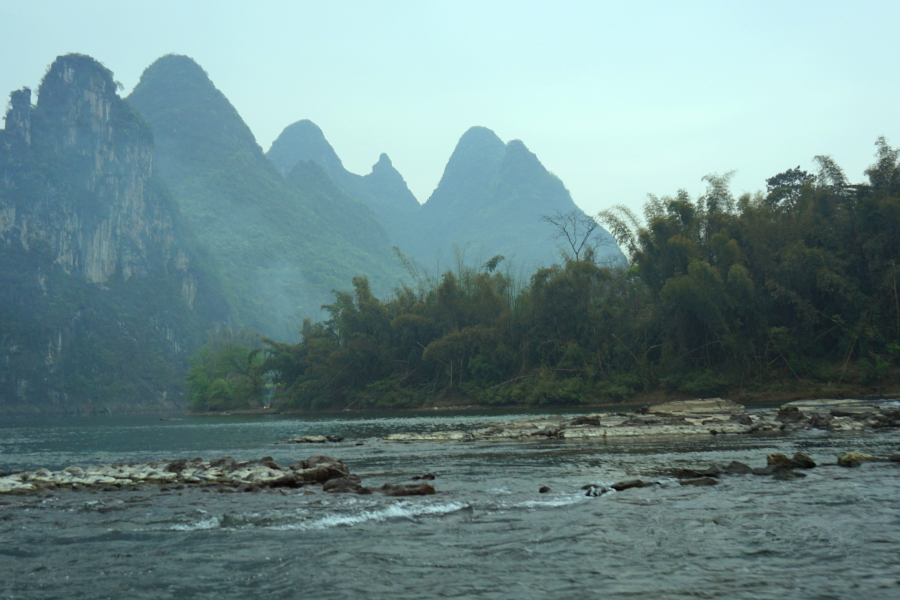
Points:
488	533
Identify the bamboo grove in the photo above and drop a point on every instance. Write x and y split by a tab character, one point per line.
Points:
794	286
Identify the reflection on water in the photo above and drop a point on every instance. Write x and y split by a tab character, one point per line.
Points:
487	534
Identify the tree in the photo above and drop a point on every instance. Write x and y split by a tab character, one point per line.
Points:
576	229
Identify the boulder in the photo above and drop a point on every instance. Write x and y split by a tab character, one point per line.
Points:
544	489
688	474
321	473
700	481
854	459
803	461
595	491
408	489
737	468
777	460
342	485
627	484
789	414
226	464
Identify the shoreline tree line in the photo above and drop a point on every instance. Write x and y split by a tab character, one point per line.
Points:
794	286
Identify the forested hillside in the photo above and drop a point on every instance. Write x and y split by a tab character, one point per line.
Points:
794	288
492	199
383	190
284	243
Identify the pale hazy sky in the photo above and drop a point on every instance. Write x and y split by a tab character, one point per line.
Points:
617	98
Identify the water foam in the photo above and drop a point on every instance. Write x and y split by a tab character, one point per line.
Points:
210	523
396	511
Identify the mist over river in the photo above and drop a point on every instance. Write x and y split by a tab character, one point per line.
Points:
488	533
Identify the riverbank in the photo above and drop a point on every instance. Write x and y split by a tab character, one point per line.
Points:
775	394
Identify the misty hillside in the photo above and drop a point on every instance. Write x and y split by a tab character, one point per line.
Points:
284	243
383	190
103	292
489	201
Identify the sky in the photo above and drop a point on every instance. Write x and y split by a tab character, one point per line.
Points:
618	99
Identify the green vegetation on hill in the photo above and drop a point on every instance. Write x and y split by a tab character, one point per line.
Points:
284	243
383	190
721	294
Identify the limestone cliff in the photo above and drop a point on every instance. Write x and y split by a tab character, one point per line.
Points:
93	255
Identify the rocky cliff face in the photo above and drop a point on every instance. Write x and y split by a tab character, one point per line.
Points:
88	233
105	220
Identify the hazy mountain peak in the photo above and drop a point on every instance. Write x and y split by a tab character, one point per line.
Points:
384	163
468	173
300	142
177	90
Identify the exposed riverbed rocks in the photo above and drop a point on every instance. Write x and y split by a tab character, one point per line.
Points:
221	474
778	466
685	417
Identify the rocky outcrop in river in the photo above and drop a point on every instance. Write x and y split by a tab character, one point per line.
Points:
688	417
223	474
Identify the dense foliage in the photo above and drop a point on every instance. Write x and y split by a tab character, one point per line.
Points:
225	373
721	293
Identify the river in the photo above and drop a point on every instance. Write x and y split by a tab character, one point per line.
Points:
488	533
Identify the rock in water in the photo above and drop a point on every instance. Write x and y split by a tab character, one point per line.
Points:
738	468
854	459
543	490
700	481
803	461
409	489
779	461
627	484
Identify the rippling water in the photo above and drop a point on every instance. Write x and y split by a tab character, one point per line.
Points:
487	534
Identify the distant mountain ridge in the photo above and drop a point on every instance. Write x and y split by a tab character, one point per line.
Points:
284	242
490	200
383	190
130	228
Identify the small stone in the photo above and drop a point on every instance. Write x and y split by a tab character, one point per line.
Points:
543	490
854	459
